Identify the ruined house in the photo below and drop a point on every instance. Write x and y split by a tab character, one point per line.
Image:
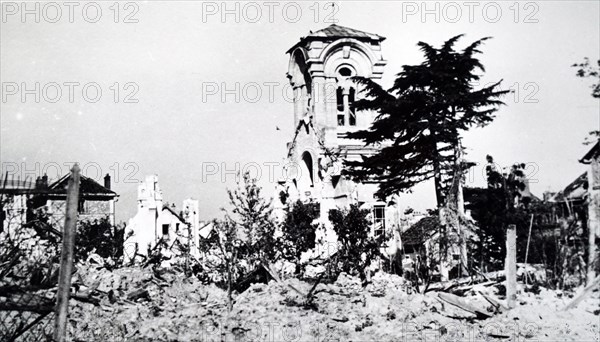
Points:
416	239
571	201
577	206
95	201
24	202
592	159
579	200
157	221
320	69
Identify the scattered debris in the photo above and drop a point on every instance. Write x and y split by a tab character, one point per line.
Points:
586	292
463	304
164	305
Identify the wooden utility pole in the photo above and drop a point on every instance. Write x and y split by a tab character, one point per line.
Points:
66	258
510	266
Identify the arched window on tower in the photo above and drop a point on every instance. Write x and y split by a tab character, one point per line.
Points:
308	163
302	80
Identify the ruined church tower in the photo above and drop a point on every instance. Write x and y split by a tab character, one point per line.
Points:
320	70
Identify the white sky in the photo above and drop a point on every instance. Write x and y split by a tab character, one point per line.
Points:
178	49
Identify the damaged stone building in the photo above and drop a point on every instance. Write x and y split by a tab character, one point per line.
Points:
157	221
320	71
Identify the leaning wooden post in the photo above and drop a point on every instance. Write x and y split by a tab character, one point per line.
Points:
527	249
586	292
66	258
510	266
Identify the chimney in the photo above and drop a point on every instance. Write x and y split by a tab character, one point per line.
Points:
107	181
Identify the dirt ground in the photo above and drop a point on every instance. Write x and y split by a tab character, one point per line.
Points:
176	308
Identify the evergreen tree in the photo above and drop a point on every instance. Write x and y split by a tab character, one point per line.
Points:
421	117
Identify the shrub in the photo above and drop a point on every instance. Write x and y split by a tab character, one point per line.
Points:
356	248
299	231
101	237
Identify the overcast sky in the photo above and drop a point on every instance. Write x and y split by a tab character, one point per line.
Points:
170	62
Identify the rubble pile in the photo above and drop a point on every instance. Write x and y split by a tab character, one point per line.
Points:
135	304
383	282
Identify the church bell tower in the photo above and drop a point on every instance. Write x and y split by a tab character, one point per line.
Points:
320	72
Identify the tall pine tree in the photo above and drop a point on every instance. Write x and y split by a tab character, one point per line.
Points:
421	117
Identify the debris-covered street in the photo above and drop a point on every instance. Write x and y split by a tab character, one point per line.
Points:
172	307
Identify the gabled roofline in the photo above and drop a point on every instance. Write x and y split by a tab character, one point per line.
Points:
175	214
55	189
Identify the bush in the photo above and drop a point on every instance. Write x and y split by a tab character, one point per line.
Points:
101	237
356	248
299	231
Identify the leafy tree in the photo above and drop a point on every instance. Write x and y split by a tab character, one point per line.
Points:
244	238
510	184
421	117
101	237
253	215
225	244
585	70
356	248
28	250
489	250
501	204
299	230
494	208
